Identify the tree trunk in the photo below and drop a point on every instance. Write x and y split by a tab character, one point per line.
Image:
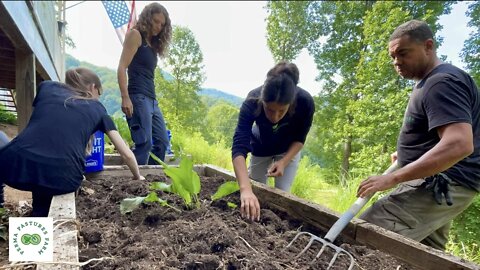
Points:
347	152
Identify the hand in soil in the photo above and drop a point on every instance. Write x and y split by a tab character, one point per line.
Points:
250	207
140	178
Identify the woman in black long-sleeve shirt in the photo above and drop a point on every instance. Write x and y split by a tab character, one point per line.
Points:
273	124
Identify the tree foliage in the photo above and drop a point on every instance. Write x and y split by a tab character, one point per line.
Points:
360	108
290	28
471	49
179	100
221	119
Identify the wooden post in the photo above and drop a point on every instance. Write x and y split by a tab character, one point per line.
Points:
65	244
25	77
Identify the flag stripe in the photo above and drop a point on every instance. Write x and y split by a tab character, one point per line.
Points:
121	16
131	15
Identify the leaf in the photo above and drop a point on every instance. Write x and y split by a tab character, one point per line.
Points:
130	204
163	202
185	181
151	197
161	186
190	179
231	205
225	189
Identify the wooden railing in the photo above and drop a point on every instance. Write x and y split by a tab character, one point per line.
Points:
7	101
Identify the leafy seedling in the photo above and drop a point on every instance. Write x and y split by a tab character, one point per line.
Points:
129	204
224	190
185	181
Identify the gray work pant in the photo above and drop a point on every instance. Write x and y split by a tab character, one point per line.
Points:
259	166
410	210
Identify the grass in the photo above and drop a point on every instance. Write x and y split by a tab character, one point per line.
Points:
202	152
7	117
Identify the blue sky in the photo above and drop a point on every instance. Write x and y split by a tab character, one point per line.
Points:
231	36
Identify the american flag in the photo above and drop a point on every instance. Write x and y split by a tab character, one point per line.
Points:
122	15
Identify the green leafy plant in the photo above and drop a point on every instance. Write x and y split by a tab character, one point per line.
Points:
185	184
224	190
3	224
7	117
185	181
129	204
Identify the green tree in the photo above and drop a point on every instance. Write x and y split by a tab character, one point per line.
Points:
290	27
363	100
471	49
221	128
178	97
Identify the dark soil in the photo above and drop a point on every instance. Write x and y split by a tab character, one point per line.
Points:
211	237
12	210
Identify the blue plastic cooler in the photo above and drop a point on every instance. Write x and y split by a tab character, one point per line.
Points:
94	162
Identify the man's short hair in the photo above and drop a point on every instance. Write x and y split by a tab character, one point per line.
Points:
418	31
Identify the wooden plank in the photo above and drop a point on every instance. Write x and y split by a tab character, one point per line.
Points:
10	30
116	159
410	251
25	87
123	170
25	24
8	53
6	58
65	245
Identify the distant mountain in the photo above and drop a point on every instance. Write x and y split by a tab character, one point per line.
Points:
218	94
111	97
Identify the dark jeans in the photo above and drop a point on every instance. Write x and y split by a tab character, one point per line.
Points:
148	130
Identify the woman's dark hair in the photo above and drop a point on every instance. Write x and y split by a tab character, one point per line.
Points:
161	41
281	85
80	79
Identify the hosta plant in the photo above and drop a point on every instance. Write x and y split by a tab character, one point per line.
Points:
185	184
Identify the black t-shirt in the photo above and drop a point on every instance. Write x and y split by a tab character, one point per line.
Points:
50	151
447	95
256	134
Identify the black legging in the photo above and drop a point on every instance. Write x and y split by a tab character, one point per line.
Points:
41	198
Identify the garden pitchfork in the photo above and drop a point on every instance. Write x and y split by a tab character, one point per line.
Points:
338	227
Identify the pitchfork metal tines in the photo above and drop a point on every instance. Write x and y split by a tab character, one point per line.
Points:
336	229
325	243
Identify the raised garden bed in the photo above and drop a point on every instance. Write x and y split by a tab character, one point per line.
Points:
215	237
